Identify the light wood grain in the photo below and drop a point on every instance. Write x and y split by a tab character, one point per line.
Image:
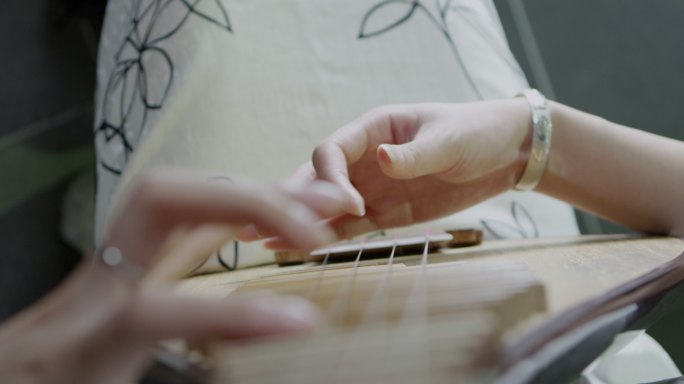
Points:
472	300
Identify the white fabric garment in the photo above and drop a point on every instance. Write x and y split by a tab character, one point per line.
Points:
247	88
633	358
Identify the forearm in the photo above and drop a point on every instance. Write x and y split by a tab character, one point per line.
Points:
625	175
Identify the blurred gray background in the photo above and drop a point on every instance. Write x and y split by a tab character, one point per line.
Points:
48	50
620	59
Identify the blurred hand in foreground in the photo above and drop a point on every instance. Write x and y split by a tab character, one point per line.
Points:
100	325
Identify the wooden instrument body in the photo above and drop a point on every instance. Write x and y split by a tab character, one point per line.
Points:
448	321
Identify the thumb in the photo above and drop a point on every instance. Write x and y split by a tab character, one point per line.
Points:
410	160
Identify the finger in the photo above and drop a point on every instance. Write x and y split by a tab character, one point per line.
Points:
280	243
348	226
189	252
330	163
158	315
168	200
333	157
249	233
326	199
416	158
302	176
345	227
322	197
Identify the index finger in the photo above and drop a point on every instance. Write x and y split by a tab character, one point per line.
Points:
171	200
333	157
331	164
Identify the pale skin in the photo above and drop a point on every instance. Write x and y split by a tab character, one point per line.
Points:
100	325
393	166
406	164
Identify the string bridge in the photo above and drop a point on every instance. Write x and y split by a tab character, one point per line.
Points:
382	247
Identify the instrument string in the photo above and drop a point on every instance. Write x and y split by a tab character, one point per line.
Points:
393	342
416	303
376	312
412	323
341	311
340	307
396	323
299	363
377	307
414	319
316	288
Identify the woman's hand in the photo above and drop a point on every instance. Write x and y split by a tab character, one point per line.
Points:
170	211
100	325
405	164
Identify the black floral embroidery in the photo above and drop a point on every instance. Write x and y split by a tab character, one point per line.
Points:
123	124
236	257
523	225
438	15
221	252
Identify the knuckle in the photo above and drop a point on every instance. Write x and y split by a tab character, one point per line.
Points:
385	110
322	153
319	152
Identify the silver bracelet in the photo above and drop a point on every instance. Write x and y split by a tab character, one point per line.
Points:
541	140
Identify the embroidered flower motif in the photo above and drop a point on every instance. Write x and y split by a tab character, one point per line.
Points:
134	89
523	226
390	14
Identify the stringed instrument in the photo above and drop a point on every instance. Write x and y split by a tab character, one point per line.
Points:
486	313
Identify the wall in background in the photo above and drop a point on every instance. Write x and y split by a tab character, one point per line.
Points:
622	60
46	90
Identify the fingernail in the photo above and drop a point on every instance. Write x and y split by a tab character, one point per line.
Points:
355	207
361	207
358	205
